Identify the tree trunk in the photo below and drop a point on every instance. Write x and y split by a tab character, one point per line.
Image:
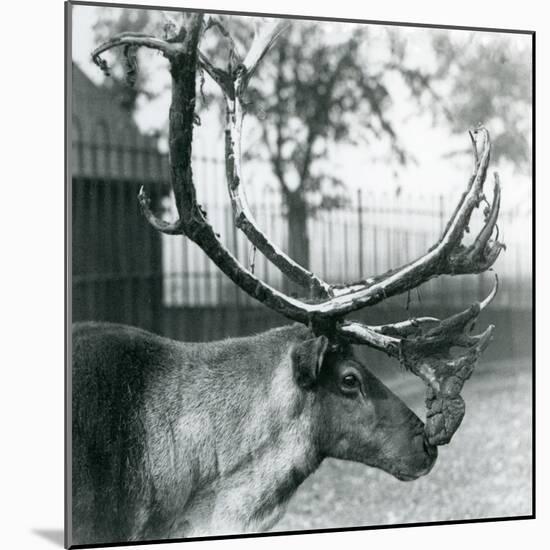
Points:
298	239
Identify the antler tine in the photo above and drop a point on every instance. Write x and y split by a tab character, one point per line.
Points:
266	32
137	39
233	86
169	228
426	352
405	328
491	296
386	337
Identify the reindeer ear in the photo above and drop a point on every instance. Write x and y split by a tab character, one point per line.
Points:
307	358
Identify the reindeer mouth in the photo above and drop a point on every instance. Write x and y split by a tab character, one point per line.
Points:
424	467
407	476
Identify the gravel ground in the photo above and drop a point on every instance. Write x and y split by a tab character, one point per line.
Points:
484	472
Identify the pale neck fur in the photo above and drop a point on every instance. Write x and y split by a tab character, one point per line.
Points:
264	447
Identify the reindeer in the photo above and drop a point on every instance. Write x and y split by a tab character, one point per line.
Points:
175	439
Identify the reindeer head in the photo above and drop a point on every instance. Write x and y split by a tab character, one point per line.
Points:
356	417
425	346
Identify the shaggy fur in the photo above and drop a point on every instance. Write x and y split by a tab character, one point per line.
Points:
175	439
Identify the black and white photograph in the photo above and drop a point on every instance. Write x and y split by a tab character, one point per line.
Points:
300	274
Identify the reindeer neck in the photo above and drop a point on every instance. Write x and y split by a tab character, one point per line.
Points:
264	450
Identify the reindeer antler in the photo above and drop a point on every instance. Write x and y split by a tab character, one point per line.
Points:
423	345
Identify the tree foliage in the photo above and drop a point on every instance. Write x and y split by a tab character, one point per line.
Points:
312	93
488	79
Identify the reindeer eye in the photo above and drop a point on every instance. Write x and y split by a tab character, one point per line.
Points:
350	382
